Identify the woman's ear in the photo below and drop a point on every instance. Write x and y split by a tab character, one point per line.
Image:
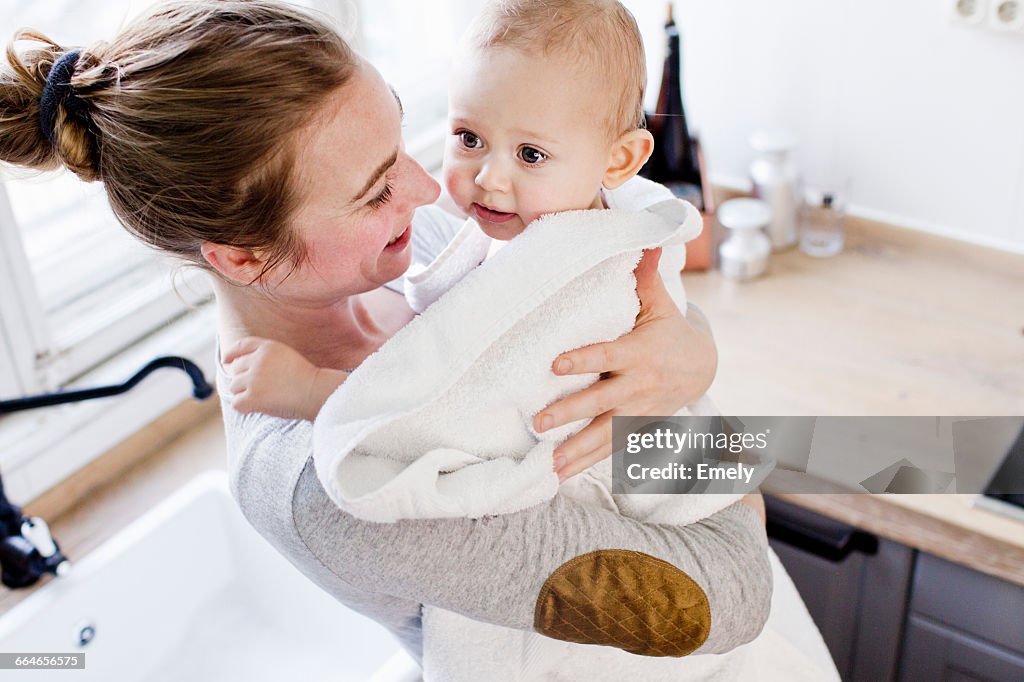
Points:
628	155
237	265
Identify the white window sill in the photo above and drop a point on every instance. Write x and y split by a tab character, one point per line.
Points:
40	448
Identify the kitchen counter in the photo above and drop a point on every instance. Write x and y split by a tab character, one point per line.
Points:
899	323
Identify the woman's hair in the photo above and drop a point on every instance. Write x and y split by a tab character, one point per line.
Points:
190	118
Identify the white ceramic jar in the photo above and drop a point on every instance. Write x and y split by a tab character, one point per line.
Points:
744	255
777	182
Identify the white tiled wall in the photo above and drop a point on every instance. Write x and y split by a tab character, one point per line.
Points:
925	118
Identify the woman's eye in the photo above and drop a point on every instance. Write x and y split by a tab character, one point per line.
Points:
469	140
532	156
383	197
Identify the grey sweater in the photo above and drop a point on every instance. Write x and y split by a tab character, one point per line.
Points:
490	569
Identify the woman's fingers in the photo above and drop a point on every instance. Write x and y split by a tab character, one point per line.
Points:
592	401
584	462
596	435
655	301
648	279
596	358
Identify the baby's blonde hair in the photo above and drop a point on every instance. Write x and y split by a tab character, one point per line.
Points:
598	34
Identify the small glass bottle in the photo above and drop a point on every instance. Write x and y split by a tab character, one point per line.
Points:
823	233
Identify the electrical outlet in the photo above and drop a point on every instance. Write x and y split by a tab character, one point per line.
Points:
971	12
1006	15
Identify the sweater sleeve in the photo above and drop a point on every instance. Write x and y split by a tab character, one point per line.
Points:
493	569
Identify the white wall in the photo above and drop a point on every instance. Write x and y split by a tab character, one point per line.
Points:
925	117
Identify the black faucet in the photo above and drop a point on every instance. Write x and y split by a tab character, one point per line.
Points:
27	550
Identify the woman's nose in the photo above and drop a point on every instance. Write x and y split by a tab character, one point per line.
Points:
492	178
425	189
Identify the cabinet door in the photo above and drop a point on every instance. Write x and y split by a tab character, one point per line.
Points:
935	652
979	605
854	585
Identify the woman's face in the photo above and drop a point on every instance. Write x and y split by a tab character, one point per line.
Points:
357	192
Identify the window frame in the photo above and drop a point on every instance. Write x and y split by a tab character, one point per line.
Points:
21	325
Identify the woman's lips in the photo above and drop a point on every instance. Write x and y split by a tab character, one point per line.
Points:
402	240
491	216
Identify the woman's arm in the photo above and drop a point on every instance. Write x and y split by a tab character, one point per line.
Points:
665	363
494	569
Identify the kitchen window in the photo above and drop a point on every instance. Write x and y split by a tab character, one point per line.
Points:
82	302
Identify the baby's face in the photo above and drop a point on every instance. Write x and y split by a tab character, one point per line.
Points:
528	137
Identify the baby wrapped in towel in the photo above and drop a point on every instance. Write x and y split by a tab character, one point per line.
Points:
544	124
546	130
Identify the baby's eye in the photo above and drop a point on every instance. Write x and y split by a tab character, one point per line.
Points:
469	140
532	156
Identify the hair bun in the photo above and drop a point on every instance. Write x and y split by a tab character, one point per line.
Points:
65	118
46	124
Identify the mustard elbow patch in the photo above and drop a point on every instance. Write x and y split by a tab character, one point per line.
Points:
625	599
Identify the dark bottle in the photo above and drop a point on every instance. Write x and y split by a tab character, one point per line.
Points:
674	159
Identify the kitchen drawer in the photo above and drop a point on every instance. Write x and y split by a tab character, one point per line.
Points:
935	652
969	601
855	587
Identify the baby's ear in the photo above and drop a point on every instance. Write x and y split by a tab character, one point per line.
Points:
628	155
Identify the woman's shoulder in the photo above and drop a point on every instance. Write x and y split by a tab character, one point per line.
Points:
265	456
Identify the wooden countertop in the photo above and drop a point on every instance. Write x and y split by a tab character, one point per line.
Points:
899	323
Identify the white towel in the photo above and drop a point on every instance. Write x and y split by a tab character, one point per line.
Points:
437	423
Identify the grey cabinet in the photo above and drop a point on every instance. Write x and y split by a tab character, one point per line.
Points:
963	625
855	586
936	652
889	613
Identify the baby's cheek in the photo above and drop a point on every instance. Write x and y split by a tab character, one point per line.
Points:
545	199
458	184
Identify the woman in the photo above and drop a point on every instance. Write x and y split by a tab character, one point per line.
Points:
247	138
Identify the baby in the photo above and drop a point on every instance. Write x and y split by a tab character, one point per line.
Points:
546	112
546	117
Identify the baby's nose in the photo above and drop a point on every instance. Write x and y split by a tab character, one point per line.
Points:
492	178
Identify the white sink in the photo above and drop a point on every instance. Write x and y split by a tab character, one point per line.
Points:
191	592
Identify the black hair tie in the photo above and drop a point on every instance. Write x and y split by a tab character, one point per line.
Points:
57	92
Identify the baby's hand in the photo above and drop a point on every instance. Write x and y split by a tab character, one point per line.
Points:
271	377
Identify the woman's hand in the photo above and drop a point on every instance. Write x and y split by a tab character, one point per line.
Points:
662	365
756	502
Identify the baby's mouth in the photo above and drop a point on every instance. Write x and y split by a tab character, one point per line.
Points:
490	215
